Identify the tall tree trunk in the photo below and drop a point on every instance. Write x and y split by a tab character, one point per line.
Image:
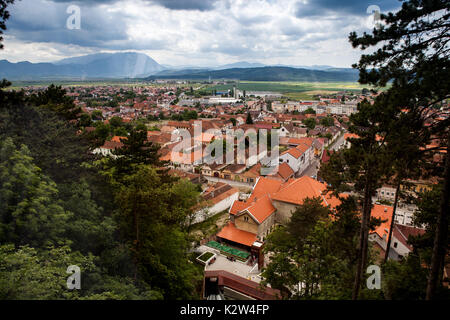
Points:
363	239
440	238
391	229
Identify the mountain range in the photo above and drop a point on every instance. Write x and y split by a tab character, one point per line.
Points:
94	66
137	65
261	74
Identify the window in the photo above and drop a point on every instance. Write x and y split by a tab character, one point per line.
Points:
246	219
395	244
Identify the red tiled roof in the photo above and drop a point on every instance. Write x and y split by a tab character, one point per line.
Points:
350	135
296	190
112	145
402	233
326	156
285	171
265	185
230	232
261	209
239	206
243	285
296	153
118	138
385	214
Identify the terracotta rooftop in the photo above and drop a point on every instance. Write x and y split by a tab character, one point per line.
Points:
402	233
296	190
284	172
385	214
243	285
230	232
261	208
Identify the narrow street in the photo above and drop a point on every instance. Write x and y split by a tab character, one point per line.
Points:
312	169
338	143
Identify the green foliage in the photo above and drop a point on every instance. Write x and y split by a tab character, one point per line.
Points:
136	151
53	141
152	216
404	280
316	248
185	116
412	53
121	132
115	122
55	99
101	133
4	15
310	123
89	229
309	111
30	212
46	226
85	120
249	119
327	121
26	273
97	115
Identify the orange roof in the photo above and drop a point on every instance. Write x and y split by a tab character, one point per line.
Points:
264	186
254	171
296	153
261	209
384	213
204	137
300	140
117	138
238	206
285	171
260	206
296	190
230	232
221	191
350	135
153	133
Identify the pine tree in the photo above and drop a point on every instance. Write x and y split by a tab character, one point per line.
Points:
414	56
249	119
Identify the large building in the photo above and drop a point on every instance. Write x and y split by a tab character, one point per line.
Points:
272	202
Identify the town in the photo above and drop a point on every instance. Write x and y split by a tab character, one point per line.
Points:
189	153
245	204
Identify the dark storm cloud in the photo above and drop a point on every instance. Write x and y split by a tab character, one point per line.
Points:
40	21
201	5
318	8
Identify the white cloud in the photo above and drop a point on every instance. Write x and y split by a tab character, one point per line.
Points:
267	31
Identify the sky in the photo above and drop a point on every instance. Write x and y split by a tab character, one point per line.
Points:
193	32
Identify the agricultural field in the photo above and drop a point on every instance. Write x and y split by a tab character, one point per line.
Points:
17	85
294	90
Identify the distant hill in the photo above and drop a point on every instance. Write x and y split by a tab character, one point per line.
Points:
95	66
241	64
263	74
136	65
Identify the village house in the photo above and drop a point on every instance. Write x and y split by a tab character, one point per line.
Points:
272	202
217	198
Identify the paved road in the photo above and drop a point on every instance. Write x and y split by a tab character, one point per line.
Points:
230	182
312	169
338	143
